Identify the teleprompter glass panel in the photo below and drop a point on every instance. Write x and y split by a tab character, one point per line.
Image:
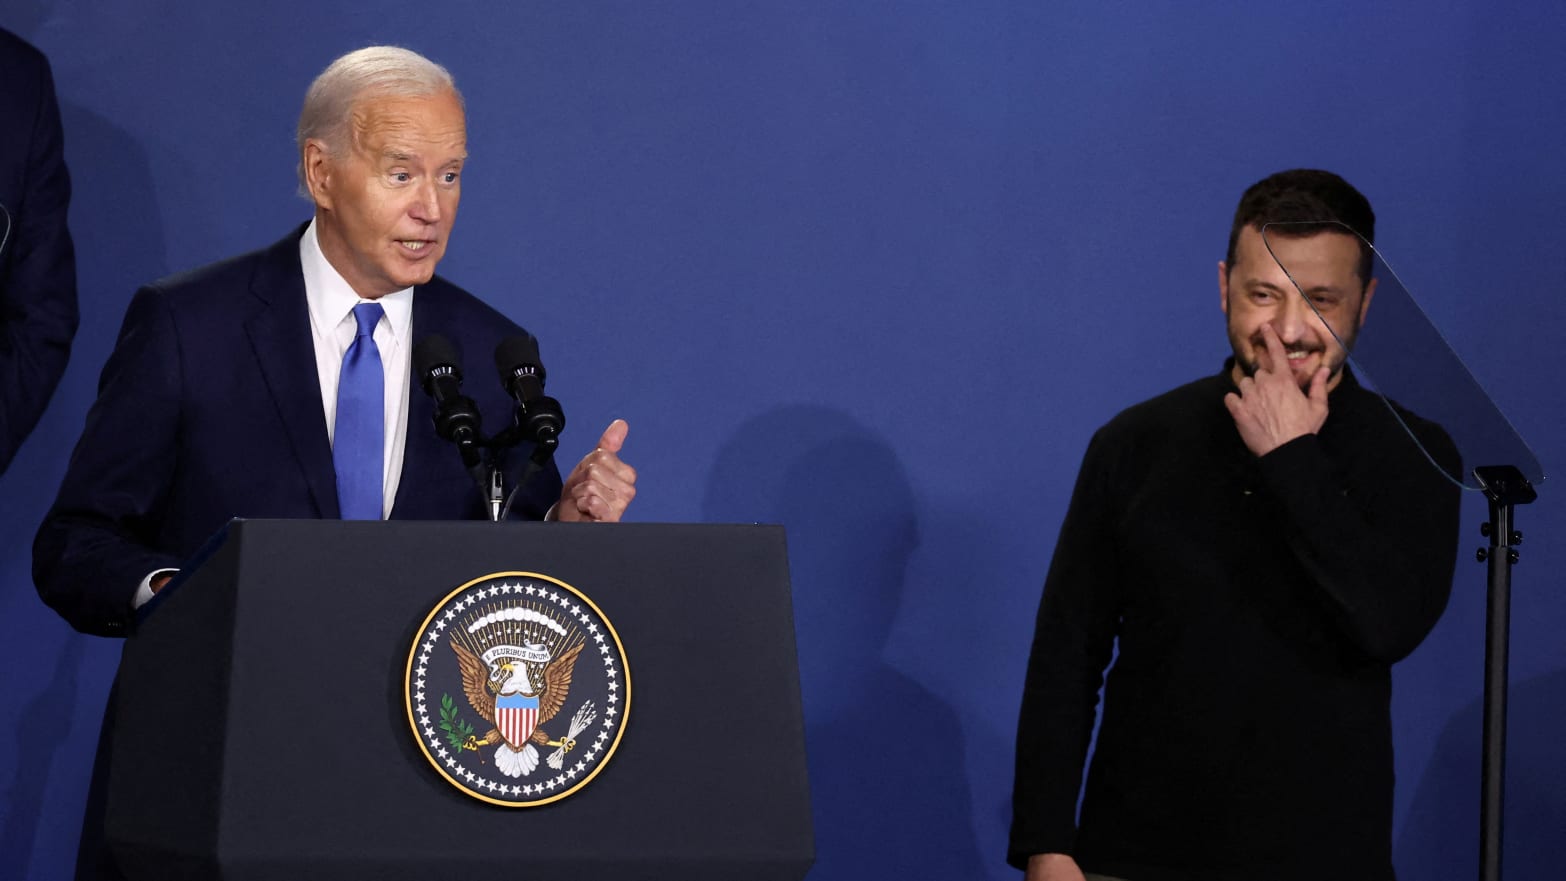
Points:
1397	351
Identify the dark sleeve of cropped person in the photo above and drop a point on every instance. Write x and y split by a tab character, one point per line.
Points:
38	315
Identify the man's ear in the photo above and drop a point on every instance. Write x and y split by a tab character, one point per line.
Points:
1223	286
317	162
1364	303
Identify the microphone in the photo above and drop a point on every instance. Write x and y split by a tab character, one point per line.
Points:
435	362
539	416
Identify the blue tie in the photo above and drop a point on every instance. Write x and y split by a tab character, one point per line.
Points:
359	440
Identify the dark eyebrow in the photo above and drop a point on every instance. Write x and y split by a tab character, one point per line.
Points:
1258	284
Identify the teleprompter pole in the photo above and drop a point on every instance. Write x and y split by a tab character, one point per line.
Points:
1505	487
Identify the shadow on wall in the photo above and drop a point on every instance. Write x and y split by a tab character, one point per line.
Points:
38	741
117	224
117	227
25	19
1440	839
889	791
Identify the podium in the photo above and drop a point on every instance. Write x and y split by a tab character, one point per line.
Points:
260	728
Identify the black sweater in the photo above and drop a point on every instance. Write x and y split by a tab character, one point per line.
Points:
1259	604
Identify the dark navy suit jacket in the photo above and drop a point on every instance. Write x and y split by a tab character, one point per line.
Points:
37	269
210	408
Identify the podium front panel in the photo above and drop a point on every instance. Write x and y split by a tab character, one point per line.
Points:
289	649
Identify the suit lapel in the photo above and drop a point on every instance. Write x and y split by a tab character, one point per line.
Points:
280	336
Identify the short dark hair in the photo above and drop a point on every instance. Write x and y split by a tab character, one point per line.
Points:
1308	197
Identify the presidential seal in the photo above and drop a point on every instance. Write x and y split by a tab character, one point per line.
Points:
517	689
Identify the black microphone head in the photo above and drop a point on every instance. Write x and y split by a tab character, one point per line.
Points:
517	354
435	351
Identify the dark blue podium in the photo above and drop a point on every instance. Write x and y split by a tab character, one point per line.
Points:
261	731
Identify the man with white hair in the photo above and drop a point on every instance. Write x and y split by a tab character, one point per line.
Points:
277	384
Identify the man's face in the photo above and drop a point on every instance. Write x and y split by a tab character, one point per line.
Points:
386	204
1255	291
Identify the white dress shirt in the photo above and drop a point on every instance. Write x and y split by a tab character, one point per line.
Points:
332	328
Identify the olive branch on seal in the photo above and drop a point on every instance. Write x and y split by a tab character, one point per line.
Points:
458	731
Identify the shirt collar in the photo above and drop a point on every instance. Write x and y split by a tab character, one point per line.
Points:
331	299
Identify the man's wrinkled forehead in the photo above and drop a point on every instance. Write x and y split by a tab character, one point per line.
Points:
388	124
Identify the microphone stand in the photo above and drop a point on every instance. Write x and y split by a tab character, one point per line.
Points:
470	443
544	440
490	476
537	418
495	495
482	457
1505	487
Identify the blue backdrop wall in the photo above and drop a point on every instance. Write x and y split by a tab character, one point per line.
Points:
874	270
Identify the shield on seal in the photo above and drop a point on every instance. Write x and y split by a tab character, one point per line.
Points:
516	716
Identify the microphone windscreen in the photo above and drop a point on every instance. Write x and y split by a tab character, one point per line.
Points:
434	351
514	352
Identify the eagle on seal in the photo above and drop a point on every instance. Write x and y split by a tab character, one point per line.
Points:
506	679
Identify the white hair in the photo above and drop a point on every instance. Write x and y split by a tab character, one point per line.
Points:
374	71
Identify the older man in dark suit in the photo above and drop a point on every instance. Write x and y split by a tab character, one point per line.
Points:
279	383
37	269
